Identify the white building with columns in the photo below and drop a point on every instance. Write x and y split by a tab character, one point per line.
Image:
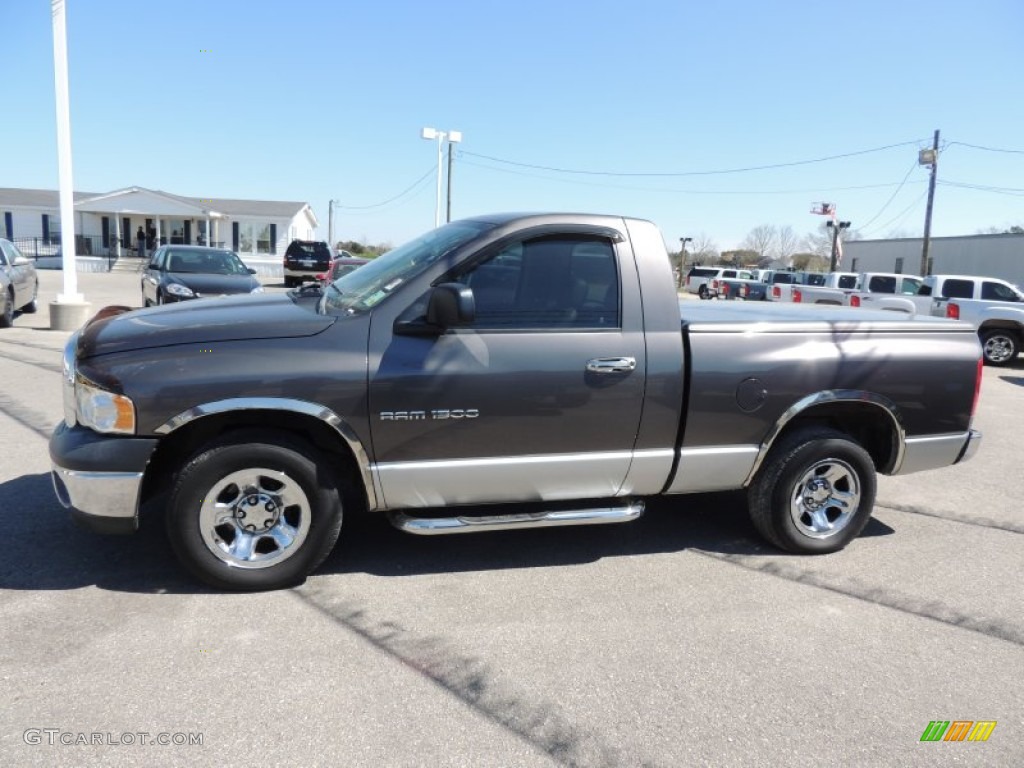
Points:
106	224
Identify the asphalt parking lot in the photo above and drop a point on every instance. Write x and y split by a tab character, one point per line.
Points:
676	640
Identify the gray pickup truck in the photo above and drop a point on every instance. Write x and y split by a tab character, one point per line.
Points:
499	372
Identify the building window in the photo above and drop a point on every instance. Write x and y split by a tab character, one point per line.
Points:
899	267
853	265
263	243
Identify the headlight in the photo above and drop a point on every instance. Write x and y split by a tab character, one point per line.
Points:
176	289
257	289
103	411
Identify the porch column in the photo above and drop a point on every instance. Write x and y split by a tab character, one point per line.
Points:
209	232
117	235
157	243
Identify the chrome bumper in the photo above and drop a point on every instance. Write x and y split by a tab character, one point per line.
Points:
971	447
934	451
107	502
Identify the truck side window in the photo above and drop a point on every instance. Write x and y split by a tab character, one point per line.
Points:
547	283
958	289
882	284
997	292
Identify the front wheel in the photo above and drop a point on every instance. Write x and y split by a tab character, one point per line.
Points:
814	493
254	511
1000	346
6	309
33	306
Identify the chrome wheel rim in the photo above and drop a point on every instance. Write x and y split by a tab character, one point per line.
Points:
998	348
255	518
825	499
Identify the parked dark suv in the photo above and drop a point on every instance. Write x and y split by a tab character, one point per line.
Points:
304	260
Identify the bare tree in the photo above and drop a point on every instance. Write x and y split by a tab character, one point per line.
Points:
703	249
786	243
761	239
819	241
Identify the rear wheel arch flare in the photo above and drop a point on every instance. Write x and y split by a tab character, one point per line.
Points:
862	415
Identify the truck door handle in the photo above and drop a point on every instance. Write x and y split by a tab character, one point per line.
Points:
611	365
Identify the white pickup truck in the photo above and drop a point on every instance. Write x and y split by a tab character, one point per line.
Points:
834	290
888	290
993	306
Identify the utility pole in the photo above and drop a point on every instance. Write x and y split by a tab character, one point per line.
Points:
929	157
682	259
449	215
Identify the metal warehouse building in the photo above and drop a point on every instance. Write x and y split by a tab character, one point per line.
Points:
985	255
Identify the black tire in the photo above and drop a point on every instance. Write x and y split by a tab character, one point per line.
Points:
7	310
814	493
289	282
33	306
1000	346
284	481
702	292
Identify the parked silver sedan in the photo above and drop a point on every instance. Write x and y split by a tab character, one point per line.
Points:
19	284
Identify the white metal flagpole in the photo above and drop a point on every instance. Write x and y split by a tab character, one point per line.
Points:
70	309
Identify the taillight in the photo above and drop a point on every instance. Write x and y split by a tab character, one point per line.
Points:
855	301
953	311
797	296
714	285
744	291
776	291
725	290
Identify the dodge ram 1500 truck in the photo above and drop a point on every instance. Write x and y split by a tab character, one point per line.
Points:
499	372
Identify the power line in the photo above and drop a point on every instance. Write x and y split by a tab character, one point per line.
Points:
691	173
1012	191
888	202
407	190
814	191
987	149
898	218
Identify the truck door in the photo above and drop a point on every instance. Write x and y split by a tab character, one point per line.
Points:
539	400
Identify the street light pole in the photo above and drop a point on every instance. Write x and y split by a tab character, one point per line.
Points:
452	136
330	223
836	227
682	259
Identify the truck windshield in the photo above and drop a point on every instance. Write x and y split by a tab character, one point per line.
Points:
364	288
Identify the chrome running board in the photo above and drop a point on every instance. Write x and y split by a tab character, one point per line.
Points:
435	526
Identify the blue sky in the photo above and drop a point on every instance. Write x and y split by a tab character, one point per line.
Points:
315	100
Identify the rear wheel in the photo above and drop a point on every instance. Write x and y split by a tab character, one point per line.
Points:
289	282
254	511
1000	346
814	493
703	292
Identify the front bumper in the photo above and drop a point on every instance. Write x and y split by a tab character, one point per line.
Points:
99	477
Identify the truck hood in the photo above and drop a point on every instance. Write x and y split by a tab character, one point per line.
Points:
234	318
